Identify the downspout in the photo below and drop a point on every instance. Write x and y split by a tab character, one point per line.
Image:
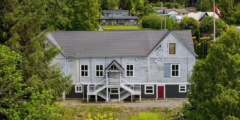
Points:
148	71
91	70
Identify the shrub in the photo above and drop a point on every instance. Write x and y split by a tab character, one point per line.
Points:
101	117
148	116
154	21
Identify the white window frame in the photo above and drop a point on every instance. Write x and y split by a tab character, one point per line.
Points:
131	21
129	70
84	70
175	48
114	89
178	70
146	89
103	21
99	71
182	86
76	90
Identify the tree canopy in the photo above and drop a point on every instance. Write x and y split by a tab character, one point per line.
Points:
148	9
22	31
189	23
216	80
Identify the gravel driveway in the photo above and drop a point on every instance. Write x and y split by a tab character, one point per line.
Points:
169	103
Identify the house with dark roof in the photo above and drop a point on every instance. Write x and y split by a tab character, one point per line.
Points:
119	65
117	17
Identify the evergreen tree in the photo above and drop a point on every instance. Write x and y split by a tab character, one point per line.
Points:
104	5
21	31
139	5
215	81
129	5
122	4
207	5
84	15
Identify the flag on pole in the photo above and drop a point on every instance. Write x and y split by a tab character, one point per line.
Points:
216	9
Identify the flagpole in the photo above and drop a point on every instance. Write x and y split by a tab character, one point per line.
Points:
214	34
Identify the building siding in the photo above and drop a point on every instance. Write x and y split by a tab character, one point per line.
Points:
172	91
143	95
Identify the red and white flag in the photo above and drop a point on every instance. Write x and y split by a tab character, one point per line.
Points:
216	9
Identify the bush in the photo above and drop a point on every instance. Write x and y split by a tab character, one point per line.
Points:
101	117
154	21
148	116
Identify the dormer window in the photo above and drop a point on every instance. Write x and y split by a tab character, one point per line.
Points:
172	48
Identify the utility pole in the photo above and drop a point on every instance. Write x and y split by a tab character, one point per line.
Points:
174	4
161	14
165	23
214	34
201	5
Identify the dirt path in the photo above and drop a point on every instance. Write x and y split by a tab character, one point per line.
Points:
169	103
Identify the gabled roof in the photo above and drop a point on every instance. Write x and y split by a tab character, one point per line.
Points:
197	16
160	8
114	11
138	43
180	11
119	18
114	62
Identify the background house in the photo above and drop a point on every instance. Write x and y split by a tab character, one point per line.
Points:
118	17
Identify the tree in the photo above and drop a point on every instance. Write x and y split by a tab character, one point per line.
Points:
207	26
84	15
129	5
215	81
237	16
21	32
189	23
113	3
122	4
139	5
227	10
104	4
148	9
207	5
159	4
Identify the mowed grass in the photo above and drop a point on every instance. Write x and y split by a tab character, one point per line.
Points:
126	27
81	112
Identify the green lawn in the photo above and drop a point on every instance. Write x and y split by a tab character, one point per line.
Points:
125	27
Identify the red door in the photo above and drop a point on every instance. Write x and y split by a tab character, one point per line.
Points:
160	92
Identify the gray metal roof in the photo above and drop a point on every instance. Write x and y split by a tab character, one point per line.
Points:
137	43
120	18
114	11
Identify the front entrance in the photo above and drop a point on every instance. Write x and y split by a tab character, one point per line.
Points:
160	92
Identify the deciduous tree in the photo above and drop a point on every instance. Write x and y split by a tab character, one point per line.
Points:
216	80
189	23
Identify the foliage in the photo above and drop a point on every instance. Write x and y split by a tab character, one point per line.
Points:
170	5
148	9
159	4
158	22
122	4
189	23
21	30
215	81
129	5
207	5
104	4
113	3
101	117
182	114
227	11
139	4
84	15
148	116
237	16
125	27
207	26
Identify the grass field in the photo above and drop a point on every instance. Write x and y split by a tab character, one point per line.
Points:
125	27
82	112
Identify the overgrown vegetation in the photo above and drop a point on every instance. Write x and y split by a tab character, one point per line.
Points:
215	81
122	113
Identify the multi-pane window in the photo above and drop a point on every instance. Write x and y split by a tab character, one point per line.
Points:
78	88
149	89
131	20
129	71
175	70
120	21
182	88
99	70
114	91
84	70
172	48
103	20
